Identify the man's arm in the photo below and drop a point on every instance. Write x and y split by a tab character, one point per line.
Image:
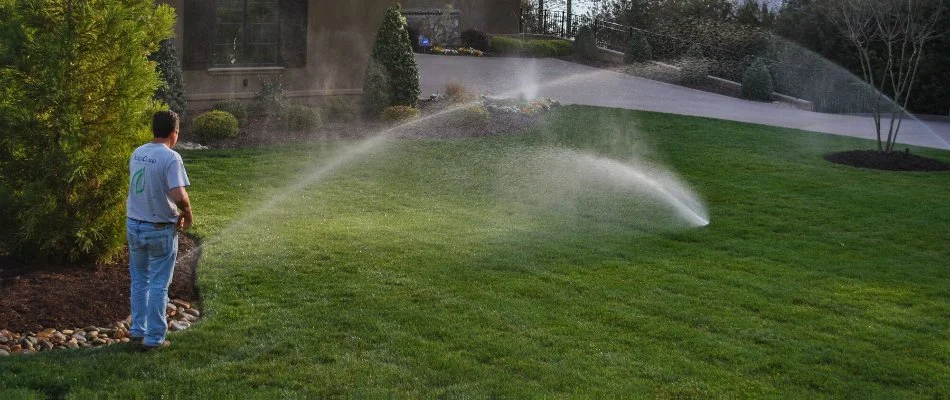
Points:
180	195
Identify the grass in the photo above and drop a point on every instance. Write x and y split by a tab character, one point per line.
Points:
427	269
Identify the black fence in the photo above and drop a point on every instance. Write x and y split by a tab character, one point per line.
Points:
723	62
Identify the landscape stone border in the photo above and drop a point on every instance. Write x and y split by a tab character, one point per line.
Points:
181	315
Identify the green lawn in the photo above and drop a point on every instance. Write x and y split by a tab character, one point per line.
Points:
444	268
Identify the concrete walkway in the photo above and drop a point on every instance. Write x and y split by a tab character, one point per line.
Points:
579	84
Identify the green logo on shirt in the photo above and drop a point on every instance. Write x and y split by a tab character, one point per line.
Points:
138	180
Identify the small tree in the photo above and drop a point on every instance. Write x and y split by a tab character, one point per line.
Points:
171	91
392	77
890	37
695	66
585	44
638	50
757	82
76	93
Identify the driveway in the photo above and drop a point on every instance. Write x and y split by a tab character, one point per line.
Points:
579	84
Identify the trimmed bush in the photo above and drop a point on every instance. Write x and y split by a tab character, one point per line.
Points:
638	50
756	82
214	125
457	93
476	39
695	67
506	45
392	77
298	117
76	97
172	88
472	115
341	109
503	45
233	107
271	98
399	113
585	45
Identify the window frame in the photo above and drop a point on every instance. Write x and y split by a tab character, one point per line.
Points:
246	33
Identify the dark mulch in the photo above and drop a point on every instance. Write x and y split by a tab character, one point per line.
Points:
35	297
894	161
263	131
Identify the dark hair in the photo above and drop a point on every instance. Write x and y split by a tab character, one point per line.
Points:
164	123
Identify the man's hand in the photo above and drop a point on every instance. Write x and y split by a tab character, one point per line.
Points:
184	220
181	200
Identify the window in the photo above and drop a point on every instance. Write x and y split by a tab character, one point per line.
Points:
247	33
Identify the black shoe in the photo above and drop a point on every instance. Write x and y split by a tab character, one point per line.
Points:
163	345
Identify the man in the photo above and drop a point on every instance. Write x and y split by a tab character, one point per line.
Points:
157	204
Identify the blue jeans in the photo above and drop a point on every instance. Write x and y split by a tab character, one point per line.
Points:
152	254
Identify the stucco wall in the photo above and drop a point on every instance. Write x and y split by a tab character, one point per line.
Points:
339	40
490	16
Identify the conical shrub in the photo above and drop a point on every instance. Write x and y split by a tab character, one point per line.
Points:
638	50
757	82
585	45
392	76
171	90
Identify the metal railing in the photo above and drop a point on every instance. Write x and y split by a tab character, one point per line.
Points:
726	63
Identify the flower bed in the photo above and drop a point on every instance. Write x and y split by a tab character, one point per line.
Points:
461	51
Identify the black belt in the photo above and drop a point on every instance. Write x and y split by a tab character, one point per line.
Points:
158	225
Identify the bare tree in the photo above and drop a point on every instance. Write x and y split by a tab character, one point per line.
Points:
890	37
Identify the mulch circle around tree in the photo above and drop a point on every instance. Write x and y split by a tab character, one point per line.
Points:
36	297
894	161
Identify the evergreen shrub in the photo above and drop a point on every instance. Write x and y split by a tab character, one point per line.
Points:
214	125
638	50
233	107
392	77
757	82
399	113
298	117
172	88
76	98
695	67
585	45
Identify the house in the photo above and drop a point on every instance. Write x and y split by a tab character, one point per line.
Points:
316	48
489	16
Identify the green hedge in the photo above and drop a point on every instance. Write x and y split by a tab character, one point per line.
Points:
216	125
757	82
233	107
75	99
503	45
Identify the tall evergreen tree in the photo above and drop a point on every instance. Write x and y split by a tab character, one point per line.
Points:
392	77
76	93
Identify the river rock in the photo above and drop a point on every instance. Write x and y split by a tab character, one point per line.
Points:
98	342
16	348
193	311
67	332
124	340
4	353
31	339
170	309
190	318
181	303
180	325
72	343
58	337
5	348
79	338
92	334
45	345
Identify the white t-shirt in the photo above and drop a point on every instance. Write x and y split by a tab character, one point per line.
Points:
155	170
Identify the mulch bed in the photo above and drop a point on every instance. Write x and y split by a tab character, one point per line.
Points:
34	297
894	161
